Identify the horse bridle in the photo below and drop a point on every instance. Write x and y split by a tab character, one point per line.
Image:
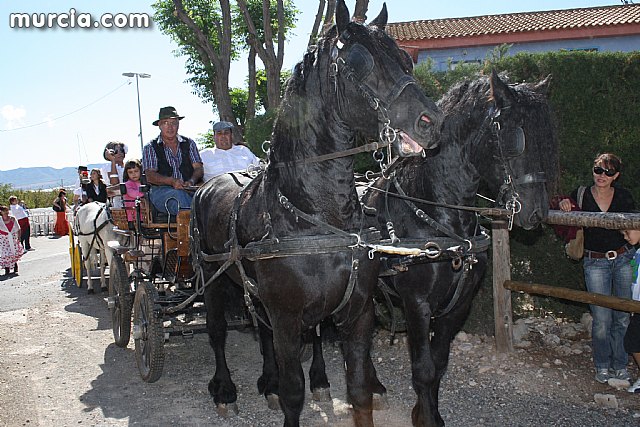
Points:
507	191
357	75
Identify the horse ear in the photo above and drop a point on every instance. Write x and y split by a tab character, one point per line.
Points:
500	91
342	16
543	86
380	21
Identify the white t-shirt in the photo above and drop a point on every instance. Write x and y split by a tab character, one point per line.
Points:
105	170
236	159
18	211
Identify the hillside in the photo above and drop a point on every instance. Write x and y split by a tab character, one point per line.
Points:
40	178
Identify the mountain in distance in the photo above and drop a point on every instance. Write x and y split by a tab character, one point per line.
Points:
42	178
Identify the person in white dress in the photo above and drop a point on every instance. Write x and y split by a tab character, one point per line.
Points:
226	157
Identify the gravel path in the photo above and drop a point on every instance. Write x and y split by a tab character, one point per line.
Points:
59	367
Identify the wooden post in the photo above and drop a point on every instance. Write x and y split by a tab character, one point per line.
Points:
502	313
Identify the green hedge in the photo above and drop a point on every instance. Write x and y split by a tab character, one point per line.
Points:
595	99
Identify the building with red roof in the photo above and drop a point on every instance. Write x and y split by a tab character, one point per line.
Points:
471	39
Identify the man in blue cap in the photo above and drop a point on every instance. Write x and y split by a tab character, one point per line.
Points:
226	157
172	164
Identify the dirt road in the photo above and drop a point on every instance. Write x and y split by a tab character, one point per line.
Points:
59	367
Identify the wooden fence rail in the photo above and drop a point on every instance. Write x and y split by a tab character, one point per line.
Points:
503	285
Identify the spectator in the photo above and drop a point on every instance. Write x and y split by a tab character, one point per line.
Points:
61	227
22	216
632	336
112	172
79	192
10	247
226	157
132	175
96	190
172	164
607	268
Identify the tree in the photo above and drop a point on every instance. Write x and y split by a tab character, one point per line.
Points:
204	34
359	14
252	34
261	38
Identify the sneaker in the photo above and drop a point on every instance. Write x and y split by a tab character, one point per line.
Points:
621	374
602	375
635	388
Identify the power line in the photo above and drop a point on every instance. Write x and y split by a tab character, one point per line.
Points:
68	114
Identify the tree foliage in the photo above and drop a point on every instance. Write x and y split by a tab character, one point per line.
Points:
32	199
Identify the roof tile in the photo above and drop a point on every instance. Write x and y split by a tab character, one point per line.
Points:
515	22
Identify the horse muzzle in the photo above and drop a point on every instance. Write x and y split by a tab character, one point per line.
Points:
426	131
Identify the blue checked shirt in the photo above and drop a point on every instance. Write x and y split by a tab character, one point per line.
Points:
150	160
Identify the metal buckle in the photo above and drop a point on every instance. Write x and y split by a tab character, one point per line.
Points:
611	255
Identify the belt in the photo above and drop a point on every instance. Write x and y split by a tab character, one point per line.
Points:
610	255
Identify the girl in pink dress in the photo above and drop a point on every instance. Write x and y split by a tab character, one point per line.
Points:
131	178
10	247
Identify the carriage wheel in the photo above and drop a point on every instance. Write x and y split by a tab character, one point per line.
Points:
77	266
120	301
72	247
148	333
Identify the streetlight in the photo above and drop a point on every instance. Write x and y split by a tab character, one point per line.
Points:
142	76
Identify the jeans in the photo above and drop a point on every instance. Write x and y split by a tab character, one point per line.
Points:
609	277
169	200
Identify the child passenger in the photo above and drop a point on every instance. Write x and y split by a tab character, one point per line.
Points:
131	177
632	336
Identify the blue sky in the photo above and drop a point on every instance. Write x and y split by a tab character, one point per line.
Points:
63	96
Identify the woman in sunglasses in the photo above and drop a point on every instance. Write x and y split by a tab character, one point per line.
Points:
114	153
607	267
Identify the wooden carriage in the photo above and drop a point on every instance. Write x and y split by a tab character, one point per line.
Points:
153	292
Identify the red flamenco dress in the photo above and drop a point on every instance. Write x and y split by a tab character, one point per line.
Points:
61	227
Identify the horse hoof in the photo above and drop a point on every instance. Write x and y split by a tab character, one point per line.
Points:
273	402
321	395
380	402
227	410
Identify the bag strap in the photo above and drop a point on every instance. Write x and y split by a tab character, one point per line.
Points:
581	191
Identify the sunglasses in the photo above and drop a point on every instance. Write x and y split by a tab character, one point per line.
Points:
609	172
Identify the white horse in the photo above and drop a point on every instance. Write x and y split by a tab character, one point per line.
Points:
94	230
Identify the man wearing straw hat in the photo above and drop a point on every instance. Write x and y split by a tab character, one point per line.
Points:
172	164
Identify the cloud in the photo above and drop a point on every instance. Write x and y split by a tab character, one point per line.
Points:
13	115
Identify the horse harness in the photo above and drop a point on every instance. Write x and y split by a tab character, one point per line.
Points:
96	230
268	247
507	194
355	68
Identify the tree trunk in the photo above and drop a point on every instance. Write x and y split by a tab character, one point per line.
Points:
313	37
272	61
221	59
360	12
251	98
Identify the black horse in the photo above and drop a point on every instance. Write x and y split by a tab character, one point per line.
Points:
492	133
294	237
